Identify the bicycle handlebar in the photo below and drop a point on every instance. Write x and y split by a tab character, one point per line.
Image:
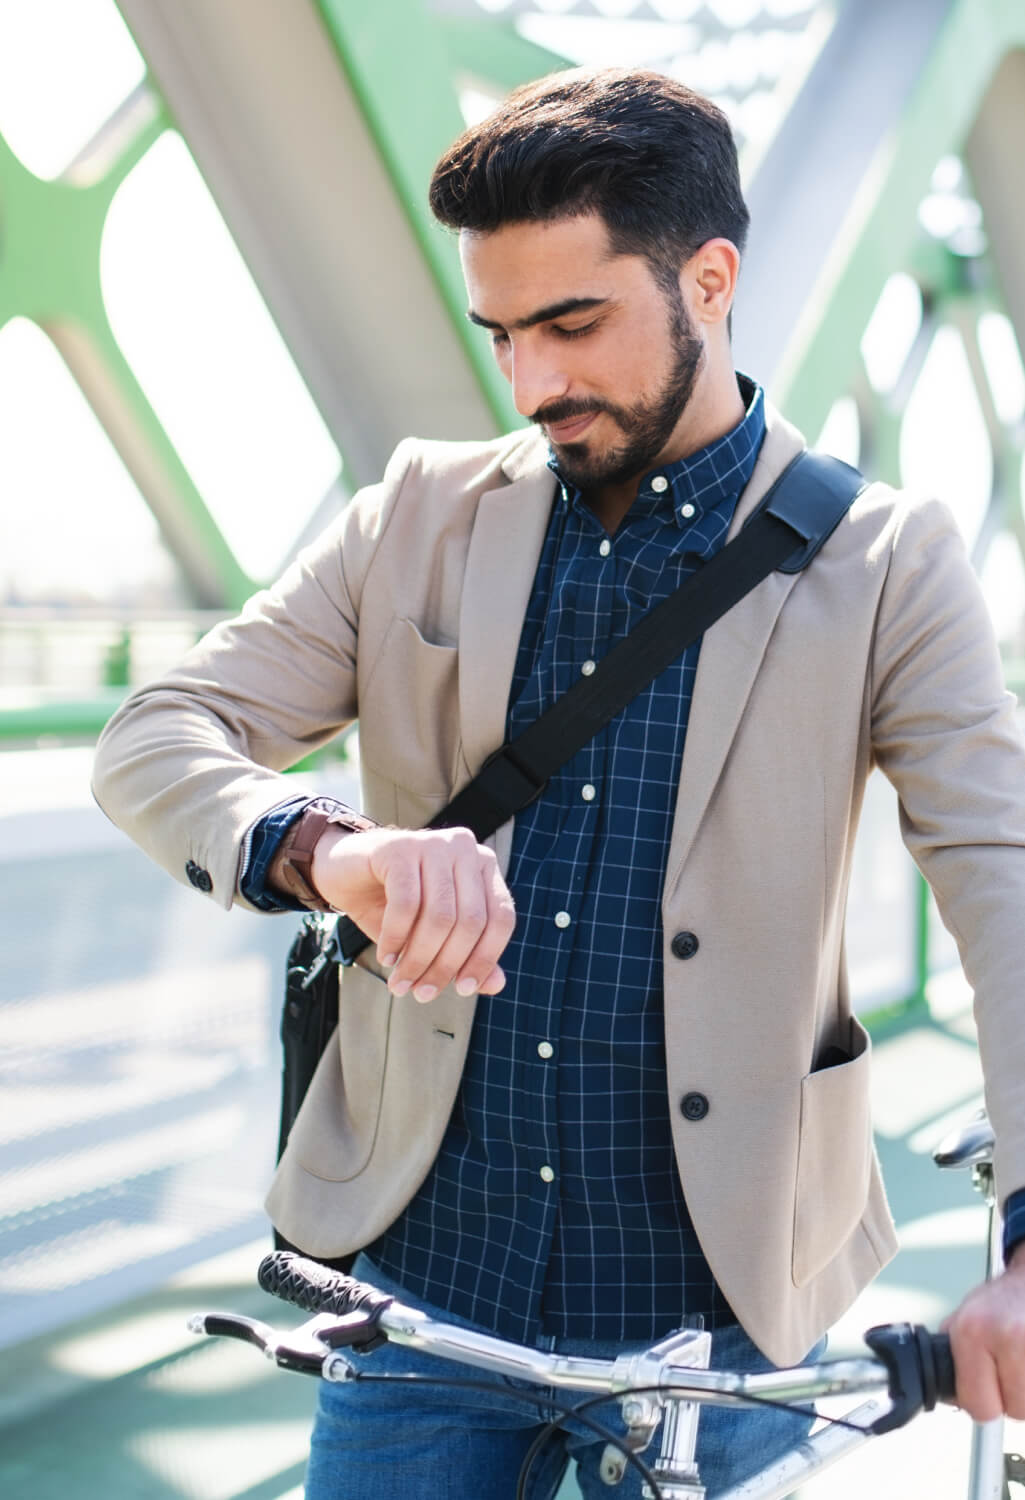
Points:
915	1365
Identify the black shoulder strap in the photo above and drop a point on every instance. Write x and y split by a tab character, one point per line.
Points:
801	510
812	495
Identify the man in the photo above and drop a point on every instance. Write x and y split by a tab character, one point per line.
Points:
613	1106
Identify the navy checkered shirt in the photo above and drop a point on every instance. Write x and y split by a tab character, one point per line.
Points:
555	1202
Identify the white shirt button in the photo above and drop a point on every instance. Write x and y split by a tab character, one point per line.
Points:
562	919
547	1175
545	1049
686	511
660	484
605	548
587	668
588	792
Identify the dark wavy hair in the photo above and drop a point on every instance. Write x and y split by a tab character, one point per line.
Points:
656	161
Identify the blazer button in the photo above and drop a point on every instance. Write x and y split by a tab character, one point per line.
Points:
684	945
198	877
694	1106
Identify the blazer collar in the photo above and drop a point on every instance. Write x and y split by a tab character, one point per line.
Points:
526	454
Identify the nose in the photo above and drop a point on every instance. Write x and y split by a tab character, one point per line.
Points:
537	377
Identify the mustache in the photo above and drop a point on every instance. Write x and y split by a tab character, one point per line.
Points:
566	410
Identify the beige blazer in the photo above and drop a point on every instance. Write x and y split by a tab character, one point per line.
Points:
407	612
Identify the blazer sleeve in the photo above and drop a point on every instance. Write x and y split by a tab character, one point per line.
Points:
947	734
190	762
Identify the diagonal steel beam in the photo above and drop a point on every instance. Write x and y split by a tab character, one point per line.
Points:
291	149
815	172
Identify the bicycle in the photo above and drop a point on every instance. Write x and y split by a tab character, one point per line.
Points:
909	1369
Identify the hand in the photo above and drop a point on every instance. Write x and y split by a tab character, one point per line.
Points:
434	902
987	1337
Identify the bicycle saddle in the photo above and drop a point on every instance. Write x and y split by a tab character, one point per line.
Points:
970	1145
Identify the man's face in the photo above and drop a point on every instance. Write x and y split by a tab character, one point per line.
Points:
598	353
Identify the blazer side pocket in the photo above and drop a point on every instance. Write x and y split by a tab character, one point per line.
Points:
336	1129
834	1162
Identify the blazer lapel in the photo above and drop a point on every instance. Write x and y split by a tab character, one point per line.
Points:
731	656
506	542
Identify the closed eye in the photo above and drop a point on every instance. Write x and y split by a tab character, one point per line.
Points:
576	333
500	339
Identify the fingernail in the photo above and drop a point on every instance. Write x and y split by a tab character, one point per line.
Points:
402	987
390	960
425	992
466	986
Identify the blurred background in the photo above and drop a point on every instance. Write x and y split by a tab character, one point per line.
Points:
222	303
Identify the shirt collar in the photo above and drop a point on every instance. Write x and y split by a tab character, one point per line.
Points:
694	485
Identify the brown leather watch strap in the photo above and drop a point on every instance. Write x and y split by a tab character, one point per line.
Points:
293	861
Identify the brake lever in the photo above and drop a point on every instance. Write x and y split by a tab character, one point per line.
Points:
303	1349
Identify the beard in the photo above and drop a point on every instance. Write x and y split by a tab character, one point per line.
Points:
647	426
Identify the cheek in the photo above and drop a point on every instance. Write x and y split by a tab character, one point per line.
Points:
631	376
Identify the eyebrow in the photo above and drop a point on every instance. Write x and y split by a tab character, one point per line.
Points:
543	314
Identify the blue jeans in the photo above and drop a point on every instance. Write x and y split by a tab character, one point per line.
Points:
406	1440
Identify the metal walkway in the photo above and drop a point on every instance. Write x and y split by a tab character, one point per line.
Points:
125	1406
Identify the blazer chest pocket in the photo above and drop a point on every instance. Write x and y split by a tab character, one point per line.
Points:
834	1161
409	712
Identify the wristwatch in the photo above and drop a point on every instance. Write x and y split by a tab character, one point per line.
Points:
293	861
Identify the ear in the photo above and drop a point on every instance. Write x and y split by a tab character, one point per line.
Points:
708	281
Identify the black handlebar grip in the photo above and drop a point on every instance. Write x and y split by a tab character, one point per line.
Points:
317	1288
943	1367
920	1370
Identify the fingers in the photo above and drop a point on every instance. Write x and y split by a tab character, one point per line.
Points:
465	889
479	971
447	914
987	1340
482	967
452	917
434	900
978	1385
400	895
